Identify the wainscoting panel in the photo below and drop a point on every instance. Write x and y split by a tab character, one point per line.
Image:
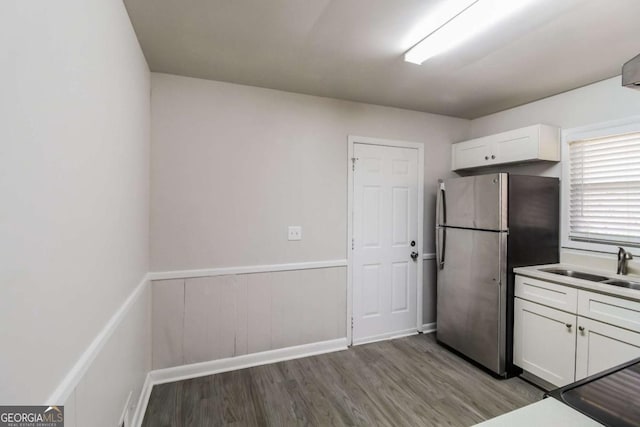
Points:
112	384
258	311
232	315
70	411
210	318
167	321
242	316
305	306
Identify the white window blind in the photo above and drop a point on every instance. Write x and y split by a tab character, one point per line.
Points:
604	203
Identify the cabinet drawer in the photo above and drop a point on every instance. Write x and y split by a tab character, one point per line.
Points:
612	310
546	293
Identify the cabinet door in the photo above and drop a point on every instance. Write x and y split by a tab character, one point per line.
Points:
601	346
516	146
544	342
471	154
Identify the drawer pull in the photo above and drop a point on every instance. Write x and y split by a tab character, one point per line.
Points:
581	329
568	325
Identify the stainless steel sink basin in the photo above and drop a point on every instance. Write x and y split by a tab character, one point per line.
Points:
576	274
622	283
593	278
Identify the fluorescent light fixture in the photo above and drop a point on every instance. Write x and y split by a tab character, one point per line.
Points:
469	22
438	15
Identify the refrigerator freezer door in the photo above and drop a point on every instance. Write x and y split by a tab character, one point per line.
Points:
472	296
474	202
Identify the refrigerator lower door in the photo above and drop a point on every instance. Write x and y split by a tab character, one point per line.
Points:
472	297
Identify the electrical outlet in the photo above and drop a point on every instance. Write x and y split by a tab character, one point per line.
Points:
295	232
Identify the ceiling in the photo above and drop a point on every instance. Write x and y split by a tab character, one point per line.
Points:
353	49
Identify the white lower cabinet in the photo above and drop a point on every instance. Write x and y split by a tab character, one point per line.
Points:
561	336
544	342
600	346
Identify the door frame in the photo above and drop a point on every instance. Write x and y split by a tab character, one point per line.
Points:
419	146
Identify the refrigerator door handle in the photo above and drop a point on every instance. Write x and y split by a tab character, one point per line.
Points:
440	248
441	205
441	218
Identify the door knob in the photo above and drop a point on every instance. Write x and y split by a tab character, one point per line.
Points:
414	255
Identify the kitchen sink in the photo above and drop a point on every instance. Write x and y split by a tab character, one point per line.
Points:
593	278
576	274
622	283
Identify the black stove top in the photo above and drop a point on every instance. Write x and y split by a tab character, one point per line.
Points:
612	398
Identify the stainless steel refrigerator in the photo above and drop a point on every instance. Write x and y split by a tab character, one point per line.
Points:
485	226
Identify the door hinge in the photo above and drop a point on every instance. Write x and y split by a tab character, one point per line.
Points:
353	244
353	163
352	322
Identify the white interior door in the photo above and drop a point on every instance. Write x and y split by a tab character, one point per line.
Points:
385	223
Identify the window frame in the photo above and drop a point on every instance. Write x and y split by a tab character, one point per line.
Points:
599	130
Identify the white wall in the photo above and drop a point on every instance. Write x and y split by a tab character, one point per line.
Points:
232	166
599	102
74	185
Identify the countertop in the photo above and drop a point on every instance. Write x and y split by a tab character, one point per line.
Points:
548	412
536	273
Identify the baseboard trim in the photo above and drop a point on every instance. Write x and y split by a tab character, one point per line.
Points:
185	372
143	401
206	272
429	328
428	256
385	337
82	365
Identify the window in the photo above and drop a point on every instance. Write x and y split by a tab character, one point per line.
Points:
604	189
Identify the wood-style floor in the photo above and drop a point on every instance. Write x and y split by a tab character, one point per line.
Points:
409	381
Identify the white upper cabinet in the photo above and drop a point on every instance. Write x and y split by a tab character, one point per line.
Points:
471	154
531	143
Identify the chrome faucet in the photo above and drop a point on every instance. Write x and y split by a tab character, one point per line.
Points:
623	257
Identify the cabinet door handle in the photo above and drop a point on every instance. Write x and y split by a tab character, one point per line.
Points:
581	328
568	325
486	157
493	156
